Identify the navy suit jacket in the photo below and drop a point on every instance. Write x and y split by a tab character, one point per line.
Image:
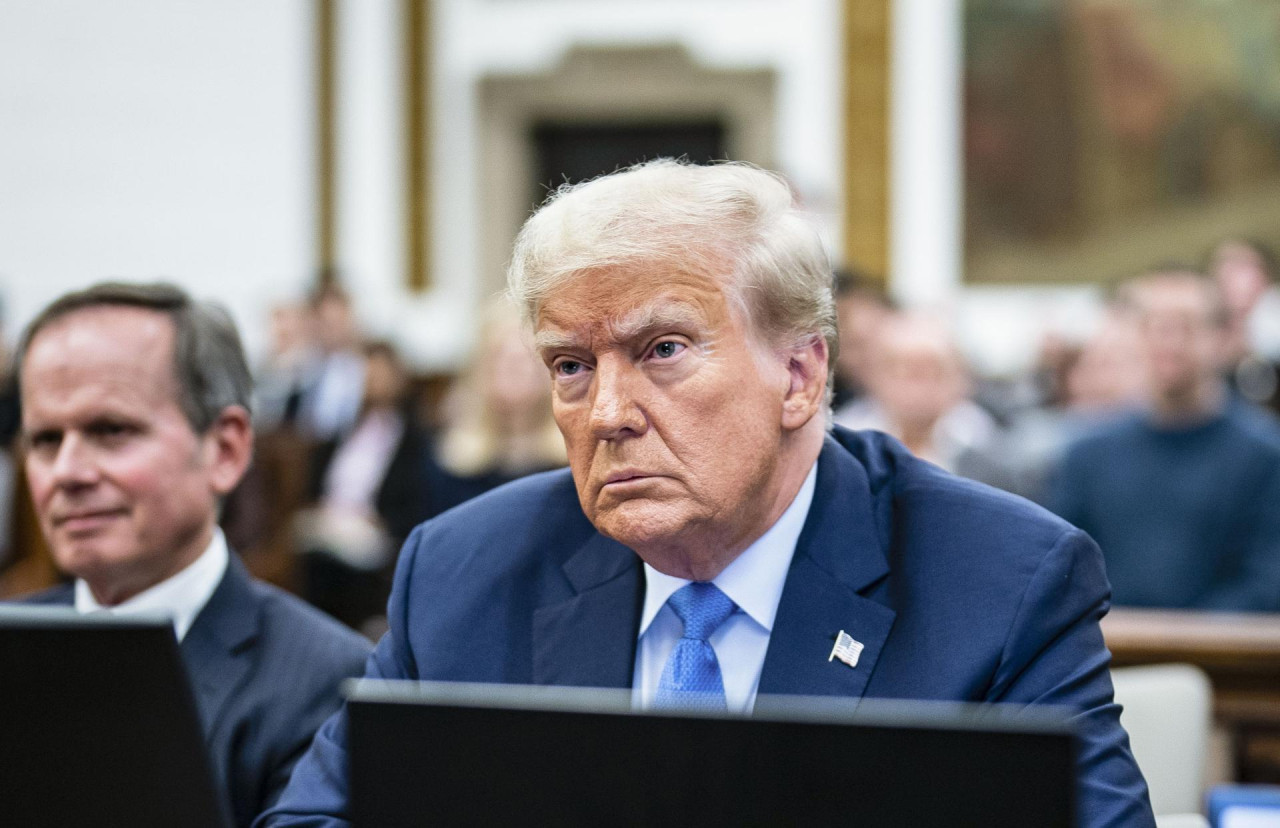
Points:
265	670
957	591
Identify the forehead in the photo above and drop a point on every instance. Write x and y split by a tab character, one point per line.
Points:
622	301
101	349
1177	297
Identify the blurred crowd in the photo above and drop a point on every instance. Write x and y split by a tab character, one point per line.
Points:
1157	433
354	450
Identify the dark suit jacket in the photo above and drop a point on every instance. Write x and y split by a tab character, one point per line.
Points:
404	496
959	592
265	670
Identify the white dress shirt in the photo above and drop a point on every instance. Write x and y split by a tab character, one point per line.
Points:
180	596
332	405
754	582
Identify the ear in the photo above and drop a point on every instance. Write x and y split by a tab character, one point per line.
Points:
807	377
228	448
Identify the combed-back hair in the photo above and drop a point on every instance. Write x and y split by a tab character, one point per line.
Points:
208	360
732	222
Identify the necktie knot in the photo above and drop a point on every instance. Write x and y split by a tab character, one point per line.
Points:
702	607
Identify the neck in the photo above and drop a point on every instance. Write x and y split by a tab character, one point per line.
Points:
1198	403
917	437
112	588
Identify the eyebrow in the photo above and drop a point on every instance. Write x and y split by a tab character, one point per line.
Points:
656	315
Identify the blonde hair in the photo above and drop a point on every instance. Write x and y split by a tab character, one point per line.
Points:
730	221
473	442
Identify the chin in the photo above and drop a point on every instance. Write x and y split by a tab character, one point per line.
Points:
87	559
642	524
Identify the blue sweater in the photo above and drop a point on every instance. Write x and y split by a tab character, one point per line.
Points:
1185	517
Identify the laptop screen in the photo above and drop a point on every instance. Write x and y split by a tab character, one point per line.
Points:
456	754
97	724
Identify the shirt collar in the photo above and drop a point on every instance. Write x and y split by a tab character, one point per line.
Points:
754	579
180	596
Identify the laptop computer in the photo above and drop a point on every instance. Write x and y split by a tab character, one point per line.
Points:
98	725
461	754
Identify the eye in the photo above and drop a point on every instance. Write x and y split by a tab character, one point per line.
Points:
667	349
109	430
567	368
44	441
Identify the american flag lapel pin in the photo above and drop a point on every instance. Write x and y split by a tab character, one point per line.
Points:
847	649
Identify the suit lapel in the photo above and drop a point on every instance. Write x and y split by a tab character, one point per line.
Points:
839	555
589	639
216	647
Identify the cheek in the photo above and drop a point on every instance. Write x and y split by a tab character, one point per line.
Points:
40	481
571	420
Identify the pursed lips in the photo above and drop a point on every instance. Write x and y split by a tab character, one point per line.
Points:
623	480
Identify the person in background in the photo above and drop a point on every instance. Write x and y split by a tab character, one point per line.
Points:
329	406
369	488
1098	381
919	389
1181	495
861	308
1107	377
1244	270
135	424
288	369
498	425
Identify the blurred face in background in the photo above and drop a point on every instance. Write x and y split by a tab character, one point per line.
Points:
1183	335
916	372
335	323
384	379
514	381
1109	372
290	332
860	319
1242	277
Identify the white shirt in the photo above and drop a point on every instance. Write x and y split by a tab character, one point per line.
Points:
180	596
334	402
754	582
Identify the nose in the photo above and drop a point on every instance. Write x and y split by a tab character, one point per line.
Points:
615	409
74	465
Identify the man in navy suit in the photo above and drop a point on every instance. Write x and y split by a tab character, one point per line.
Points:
713	538
135	420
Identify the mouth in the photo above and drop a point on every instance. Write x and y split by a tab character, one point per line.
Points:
86	521
627	477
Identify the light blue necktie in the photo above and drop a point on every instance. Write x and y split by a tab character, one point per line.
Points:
691	680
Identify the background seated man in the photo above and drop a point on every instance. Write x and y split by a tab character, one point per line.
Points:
685	317
1182	495
135	419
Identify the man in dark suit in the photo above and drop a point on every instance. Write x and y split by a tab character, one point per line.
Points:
713	539
136	423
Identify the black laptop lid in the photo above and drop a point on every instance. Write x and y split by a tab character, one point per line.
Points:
98	725
446	754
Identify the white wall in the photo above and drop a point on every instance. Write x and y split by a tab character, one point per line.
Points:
155	139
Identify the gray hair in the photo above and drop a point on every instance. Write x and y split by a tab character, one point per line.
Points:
731	221
208	359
